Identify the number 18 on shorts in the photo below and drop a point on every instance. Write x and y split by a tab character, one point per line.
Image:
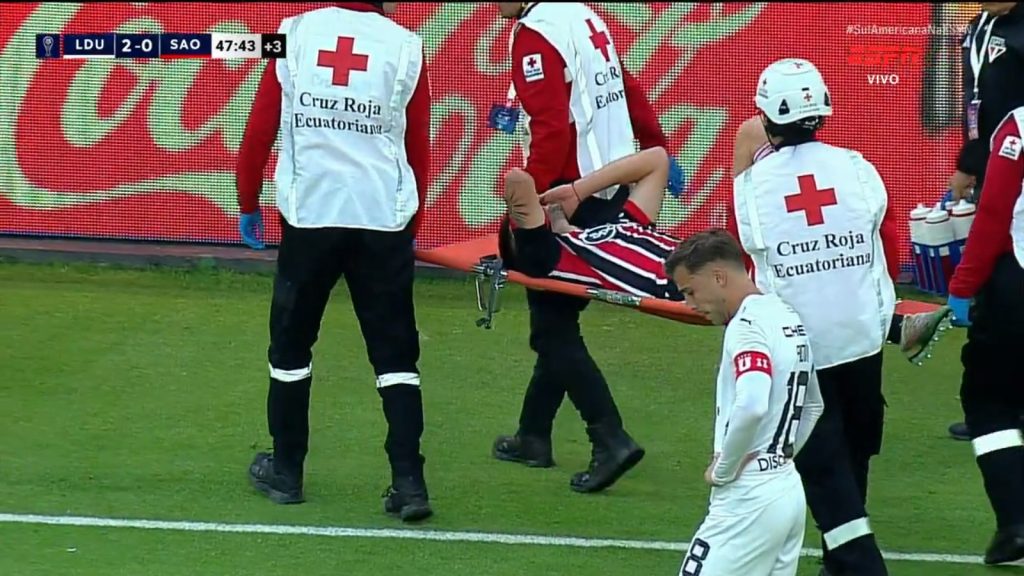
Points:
759	541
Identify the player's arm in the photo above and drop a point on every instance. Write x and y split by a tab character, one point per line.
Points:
545	98
641	114
258	140
749	137
991	227
417	140
751	358
648	169
814	407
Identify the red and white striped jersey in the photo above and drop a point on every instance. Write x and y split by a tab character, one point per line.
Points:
627	255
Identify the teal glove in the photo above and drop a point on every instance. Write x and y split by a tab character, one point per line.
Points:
250	227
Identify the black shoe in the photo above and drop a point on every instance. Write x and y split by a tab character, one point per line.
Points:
1006	546
613	454
532	451
408	499
959	431
280	488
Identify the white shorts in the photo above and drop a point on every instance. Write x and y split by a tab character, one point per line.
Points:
765	541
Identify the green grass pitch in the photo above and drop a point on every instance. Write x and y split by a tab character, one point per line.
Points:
141	394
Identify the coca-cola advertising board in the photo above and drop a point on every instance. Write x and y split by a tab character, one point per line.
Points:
145	149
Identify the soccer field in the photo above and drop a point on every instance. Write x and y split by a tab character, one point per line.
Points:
140	395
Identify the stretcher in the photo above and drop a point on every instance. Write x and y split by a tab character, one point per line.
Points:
480	257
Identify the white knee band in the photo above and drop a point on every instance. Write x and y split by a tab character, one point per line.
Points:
848	532
997	441
395	378
291	375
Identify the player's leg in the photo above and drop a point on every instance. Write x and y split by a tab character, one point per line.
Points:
380	277
863	408
832	492
729	543
306	274
991	400
793	511
521	199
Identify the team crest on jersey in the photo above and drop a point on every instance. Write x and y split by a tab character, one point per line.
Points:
996	47
598	235
532	68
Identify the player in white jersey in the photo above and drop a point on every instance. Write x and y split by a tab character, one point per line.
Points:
767	404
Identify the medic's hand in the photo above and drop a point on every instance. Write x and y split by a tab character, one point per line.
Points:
961	308
676	178
250	227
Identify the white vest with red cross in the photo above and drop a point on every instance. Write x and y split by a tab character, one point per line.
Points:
604	132
1011	148
810	216
346	83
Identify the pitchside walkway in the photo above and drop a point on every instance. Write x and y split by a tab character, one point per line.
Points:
120	253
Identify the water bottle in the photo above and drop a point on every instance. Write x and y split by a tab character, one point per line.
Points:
917	232
938	238
962	218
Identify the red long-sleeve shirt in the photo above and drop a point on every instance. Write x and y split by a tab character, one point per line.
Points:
990	233
546	100
265	120
889	232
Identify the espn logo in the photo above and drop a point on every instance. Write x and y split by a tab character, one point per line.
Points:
752	361
885	55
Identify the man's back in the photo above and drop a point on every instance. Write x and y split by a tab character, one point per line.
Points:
347	81
810	218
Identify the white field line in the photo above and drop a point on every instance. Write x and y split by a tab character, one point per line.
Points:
412	534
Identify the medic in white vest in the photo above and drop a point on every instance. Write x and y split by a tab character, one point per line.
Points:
810	216
331	171
582	108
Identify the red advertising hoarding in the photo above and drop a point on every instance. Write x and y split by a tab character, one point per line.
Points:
146	149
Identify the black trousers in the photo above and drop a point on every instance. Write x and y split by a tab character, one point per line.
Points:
379	268
835	461
992	389
564	365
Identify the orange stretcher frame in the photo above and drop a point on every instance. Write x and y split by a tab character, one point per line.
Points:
472	257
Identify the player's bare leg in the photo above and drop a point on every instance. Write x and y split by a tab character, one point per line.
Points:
521	198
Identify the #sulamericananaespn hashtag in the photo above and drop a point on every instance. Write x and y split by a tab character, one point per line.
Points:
930	30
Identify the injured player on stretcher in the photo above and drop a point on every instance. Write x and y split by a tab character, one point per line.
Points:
626	254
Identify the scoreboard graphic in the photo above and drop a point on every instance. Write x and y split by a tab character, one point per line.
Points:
215	46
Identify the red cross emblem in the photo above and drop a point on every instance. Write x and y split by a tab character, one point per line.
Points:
811	200
599	40
808	97
343	60
532	62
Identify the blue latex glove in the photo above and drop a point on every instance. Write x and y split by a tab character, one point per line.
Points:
947	197
676	178
961	308
250	226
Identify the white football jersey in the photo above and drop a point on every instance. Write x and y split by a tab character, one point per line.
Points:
766	333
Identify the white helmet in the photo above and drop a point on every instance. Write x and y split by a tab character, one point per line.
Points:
792	89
